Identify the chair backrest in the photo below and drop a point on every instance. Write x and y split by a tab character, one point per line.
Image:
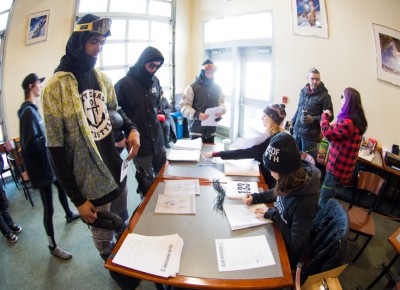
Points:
328	239
308	157
18	169
370	182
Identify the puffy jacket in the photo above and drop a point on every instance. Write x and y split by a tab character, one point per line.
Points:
314	104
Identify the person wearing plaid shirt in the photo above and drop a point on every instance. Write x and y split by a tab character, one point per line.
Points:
344	138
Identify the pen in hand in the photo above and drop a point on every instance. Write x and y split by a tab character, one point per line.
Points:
248	199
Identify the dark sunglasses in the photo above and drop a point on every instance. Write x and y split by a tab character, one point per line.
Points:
152	65
341	97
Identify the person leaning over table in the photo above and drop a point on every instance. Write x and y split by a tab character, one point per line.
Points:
296	194
80	140
272	118
202	94
344	138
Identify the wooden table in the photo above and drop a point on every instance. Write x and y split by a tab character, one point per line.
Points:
144	221
394	239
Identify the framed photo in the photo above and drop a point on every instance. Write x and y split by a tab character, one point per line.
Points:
309	17
387	44
38	24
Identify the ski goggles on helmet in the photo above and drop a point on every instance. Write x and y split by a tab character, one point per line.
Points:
209	67
100	26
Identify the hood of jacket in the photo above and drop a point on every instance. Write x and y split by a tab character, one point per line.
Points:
138	70
312	184
75	59
25	105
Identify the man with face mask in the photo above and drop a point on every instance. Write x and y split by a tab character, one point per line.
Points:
80	139
139	94
202	94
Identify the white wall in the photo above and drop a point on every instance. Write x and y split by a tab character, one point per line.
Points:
346	58
41	58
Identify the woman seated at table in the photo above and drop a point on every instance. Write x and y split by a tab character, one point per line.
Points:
296	194
272	118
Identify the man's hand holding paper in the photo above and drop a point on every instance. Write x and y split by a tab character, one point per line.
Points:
213	113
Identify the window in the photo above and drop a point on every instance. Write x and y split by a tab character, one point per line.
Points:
136	24
242	48
5	8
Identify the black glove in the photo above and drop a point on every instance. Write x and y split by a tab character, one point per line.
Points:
307	119
291	129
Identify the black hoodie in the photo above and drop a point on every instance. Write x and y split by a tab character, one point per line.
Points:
33	144
139	94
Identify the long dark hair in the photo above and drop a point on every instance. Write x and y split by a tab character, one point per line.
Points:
353	109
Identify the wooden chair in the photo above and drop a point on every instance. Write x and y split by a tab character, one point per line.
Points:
22	177
308	157
361	221
7	167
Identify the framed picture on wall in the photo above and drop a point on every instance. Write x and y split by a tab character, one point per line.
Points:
37	27
309	17
387	44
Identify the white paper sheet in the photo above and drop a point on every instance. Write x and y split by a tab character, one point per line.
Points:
241	216
176	204
157	255
182	186
187	144
241	167
243	253
253	137
210	121
184	155
240	189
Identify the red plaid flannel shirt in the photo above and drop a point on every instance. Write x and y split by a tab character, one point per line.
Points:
344	143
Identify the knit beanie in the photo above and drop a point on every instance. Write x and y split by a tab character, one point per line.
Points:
282	154
276	112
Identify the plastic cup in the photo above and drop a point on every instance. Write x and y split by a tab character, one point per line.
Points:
227	143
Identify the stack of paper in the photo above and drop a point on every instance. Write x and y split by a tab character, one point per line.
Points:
240	189
156	255
182	186
241	167
176	204
366	154
187	144
241	216
184	155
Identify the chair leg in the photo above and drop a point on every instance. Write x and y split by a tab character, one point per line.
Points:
28	196
384	271
362	249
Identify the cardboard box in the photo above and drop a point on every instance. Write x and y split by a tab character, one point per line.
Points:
315	282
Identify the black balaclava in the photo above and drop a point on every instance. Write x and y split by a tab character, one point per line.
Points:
139	72
76	60
202	76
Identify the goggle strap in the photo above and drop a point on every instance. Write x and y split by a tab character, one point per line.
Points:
84	27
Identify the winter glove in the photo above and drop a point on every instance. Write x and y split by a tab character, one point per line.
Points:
270	213
308	119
